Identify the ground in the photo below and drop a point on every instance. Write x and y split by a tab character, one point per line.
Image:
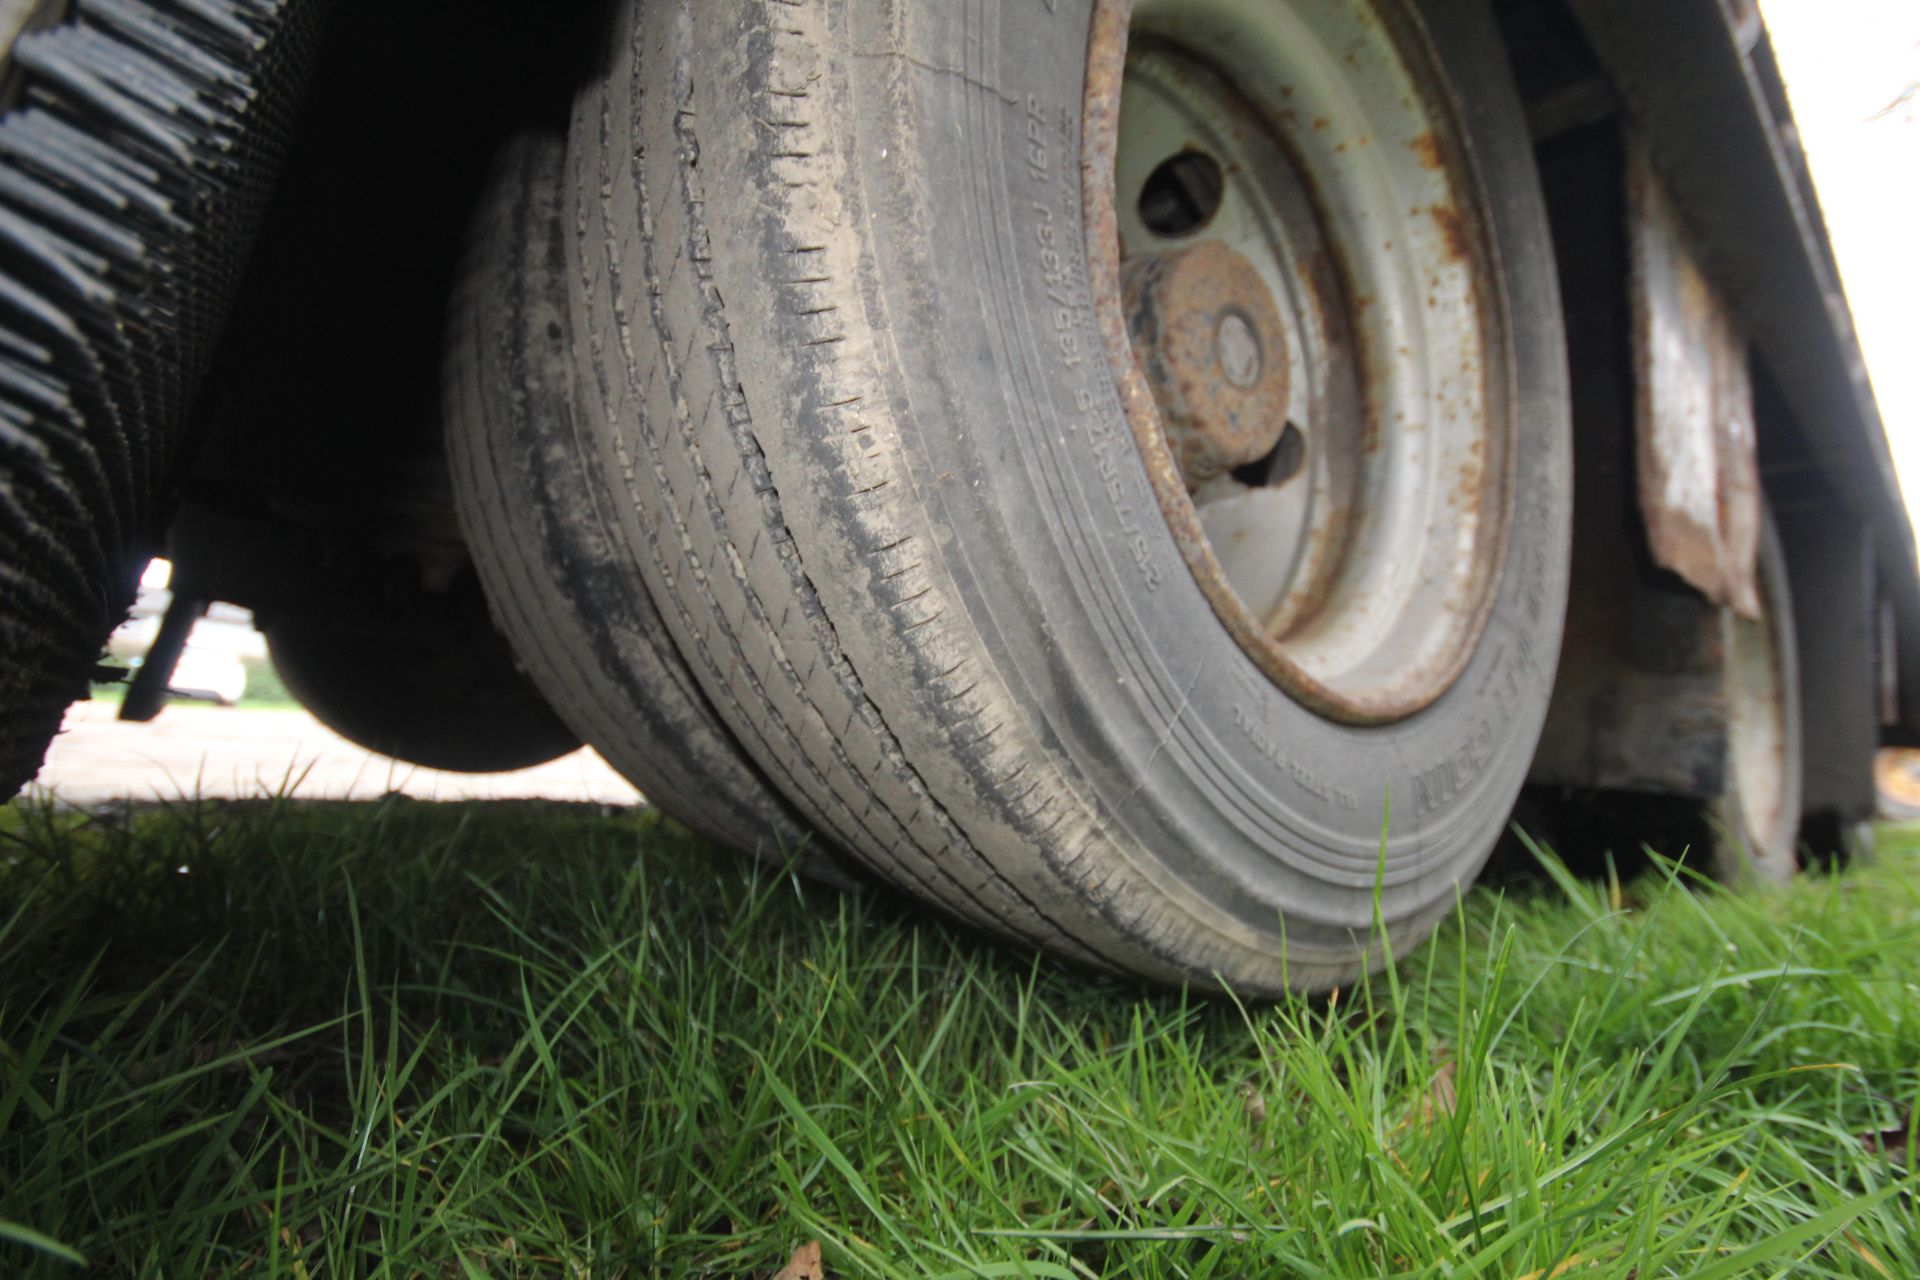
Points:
529	1040
238	753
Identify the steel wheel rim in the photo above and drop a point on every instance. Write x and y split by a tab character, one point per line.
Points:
1346	191
1757	757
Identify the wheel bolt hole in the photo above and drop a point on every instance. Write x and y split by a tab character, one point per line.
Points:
1282	462
1182	194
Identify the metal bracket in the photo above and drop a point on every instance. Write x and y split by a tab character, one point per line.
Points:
147	695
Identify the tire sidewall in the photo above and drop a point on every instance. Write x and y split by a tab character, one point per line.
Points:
1054	537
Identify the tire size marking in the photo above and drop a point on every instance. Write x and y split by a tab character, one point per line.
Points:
1048	133
1514	667
1511	672
1438	786
1254	730
1038	156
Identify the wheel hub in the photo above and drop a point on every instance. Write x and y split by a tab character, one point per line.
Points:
1202	325
1306	325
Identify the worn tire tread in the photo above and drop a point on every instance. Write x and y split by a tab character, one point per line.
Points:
533	506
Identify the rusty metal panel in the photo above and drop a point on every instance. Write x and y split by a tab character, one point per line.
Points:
1695	446
1712	109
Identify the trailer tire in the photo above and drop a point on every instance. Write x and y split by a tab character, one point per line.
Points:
832	286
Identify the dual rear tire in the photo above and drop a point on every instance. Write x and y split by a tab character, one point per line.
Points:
871	444
545	525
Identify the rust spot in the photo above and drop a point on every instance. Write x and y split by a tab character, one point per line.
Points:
1453	232
1322	293
1698	473
1106	68
1370	432
1326	541
1427	147
1320	123
1466	491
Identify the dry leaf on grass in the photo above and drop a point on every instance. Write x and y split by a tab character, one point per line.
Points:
1572	1260
1872	1259
805	1264
1438	1099
1891	1142
1255	1104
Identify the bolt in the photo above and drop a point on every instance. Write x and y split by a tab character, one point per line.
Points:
1238	350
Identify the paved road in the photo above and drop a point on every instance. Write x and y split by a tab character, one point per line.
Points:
234	753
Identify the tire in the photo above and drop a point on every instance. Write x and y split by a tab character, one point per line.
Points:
446	697
886	493
532	504
1757	820
140	154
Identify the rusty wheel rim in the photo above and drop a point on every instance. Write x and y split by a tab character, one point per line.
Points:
1343	495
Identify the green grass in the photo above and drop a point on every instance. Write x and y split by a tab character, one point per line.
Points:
264	689
400	1039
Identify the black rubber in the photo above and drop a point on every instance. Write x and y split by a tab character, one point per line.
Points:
901	533
133	172
447	696
532	502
